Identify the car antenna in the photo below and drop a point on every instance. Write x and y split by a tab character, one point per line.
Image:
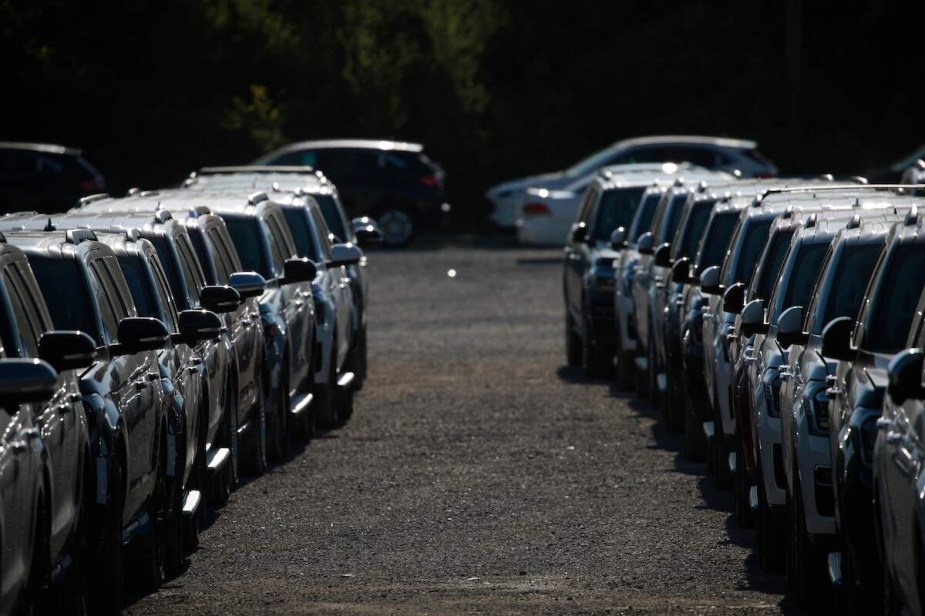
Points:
50	226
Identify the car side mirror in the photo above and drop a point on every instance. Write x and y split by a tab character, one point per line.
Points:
709	281
344	254
753	318
734	298
579	233
836	339
220	299
67	350
298	269
198	325
137	334
681	271
368	233
646	243
26	380
905	376
618	238
663	255
790	327
248	284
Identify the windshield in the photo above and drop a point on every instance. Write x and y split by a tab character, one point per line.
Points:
60	278
251	244
893	304
615	209
592	163
775	251
849	283
712	247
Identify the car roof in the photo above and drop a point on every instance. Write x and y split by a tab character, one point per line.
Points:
64	244
48	148
277	179
369	144
726	142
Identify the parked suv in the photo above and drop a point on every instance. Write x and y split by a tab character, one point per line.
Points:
45	178
393	182
127	414
44	450
864	348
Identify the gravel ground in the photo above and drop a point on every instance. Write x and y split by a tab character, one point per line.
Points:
479	475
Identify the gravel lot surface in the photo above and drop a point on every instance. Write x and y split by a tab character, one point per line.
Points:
478	475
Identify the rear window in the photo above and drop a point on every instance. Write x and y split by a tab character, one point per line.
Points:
894	302
849	283
59	278
615	209
252	248
715	242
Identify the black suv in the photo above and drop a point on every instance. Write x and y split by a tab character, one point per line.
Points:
391	181
125	405
45	178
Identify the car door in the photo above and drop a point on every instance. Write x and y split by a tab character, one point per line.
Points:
134	379
61	421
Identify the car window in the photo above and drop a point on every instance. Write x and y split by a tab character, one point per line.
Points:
853	266
27	330
321	234
801	281
331	210
587	205
699	156
715	241
192	274
139	284
251	245
893	303
616	208
168	257
64	278
297	158
774	252
278	248
644	214
102	296
698	215
749	249
206	262
348	164
163	293
225	247
672	218
297	220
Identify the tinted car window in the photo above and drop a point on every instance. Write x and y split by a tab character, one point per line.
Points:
103	299
331	213
694	226
298	158
854	266
675	209
136	275
774	259
27	331
755	238
348	164
190	268
644	215
206	262
698	156
64	278
615	209
172	268
301	233
802	280
712	247
248	239
895	301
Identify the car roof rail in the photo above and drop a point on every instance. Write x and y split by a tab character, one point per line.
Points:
76	236
50	226
92	198
912	216
855	222
257	197
161	215
199	210
811	221
135	191
2	238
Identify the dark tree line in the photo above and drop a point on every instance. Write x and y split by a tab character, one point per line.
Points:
494	88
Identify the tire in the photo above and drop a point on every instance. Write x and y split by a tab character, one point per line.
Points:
223	482
279	434
104	555
806	564
256	459
770	530
695	441
149	551
742	487
573	347
594	363
399	226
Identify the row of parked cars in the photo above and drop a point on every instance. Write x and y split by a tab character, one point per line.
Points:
155	348
779	324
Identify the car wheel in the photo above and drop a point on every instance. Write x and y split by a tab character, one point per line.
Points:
257	458
769	528
223	481
806	563
104	551
398	224
719	455
573	350
595	363
742	486
278	433
149	551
